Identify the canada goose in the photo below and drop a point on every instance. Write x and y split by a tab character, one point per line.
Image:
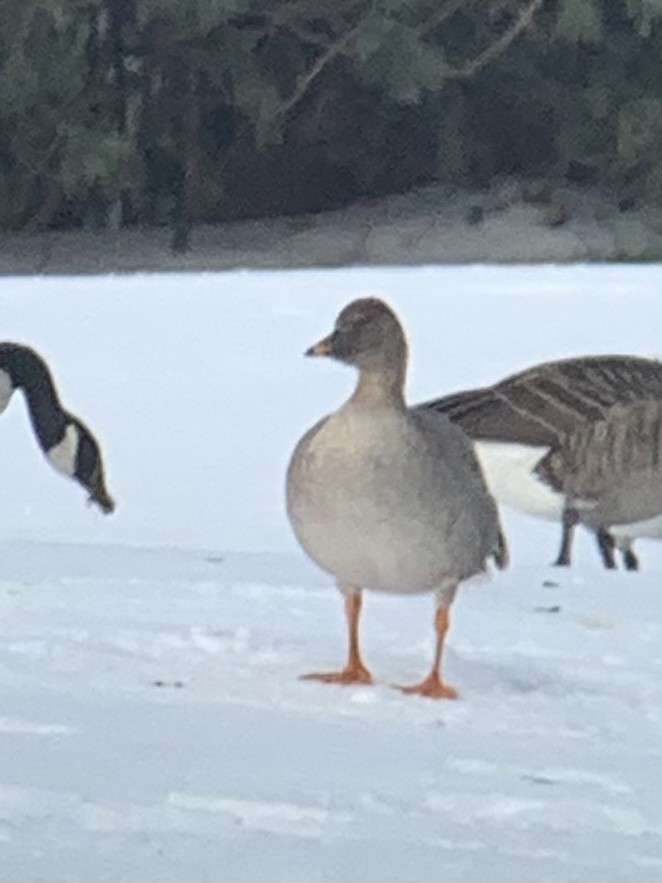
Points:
573	440
385	498
67	443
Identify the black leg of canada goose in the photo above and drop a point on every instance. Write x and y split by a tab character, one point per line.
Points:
606	545
630	560
502	553
568	524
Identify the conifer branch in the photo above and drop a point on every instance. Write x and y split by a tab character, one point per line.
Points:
522	22
305	79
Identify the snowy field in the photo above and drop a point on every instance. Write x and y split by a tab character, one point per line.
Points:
152	726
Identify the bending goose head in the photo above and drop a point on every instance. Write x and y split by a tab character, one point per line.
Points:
77	455
367	335
89	470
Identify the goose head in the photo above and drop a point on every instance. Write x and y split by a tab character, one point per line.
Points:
367	334
78	455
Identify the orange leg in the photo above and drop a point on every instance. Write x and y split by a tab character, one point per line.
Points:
432	686
354	671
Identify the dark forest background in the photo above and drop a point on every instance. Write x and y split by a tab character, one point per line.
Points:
147	112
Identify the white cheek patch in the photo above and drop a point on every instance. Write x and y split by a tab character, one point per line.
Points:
6	390
509	470
63	454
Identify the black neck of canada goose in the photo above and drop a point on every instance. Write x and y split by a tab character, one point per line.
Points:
26	370
545	403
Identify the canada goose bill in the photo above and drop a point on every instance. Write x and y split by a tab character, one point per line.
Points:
68	445
576	441
382	497
96	485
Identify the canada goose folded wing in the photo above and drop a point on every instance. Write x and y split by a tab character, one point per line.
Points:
494	414
544	403
611	471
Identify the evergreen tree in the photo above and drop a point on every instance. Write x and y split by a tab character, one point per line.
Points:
177	111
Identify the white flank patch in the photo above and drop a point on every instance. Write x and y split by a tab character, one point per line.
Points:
63	454
6	390
651	528
509	472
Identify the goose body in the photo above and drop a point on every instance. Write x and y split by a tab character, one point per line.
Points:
397	514
385	498
65	441
576	440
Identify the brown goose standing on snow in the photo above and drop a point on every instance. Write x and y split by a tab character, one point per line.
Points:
386	498
66	442
575	440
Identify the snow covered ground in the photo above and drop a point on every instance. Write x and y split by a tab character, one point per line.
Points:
152	726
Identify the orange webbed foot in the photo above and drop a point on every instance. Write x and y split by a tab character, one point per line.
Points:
348	675
432	687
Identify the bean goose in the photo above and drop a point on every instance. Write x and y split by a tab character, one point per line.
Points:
66	442
386	498
575	440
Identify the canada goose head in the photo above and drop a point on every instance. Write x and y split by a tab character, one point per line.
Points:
367	334
77	455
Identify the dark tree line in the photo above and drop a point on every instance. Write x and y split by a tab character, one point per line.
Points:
120	112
